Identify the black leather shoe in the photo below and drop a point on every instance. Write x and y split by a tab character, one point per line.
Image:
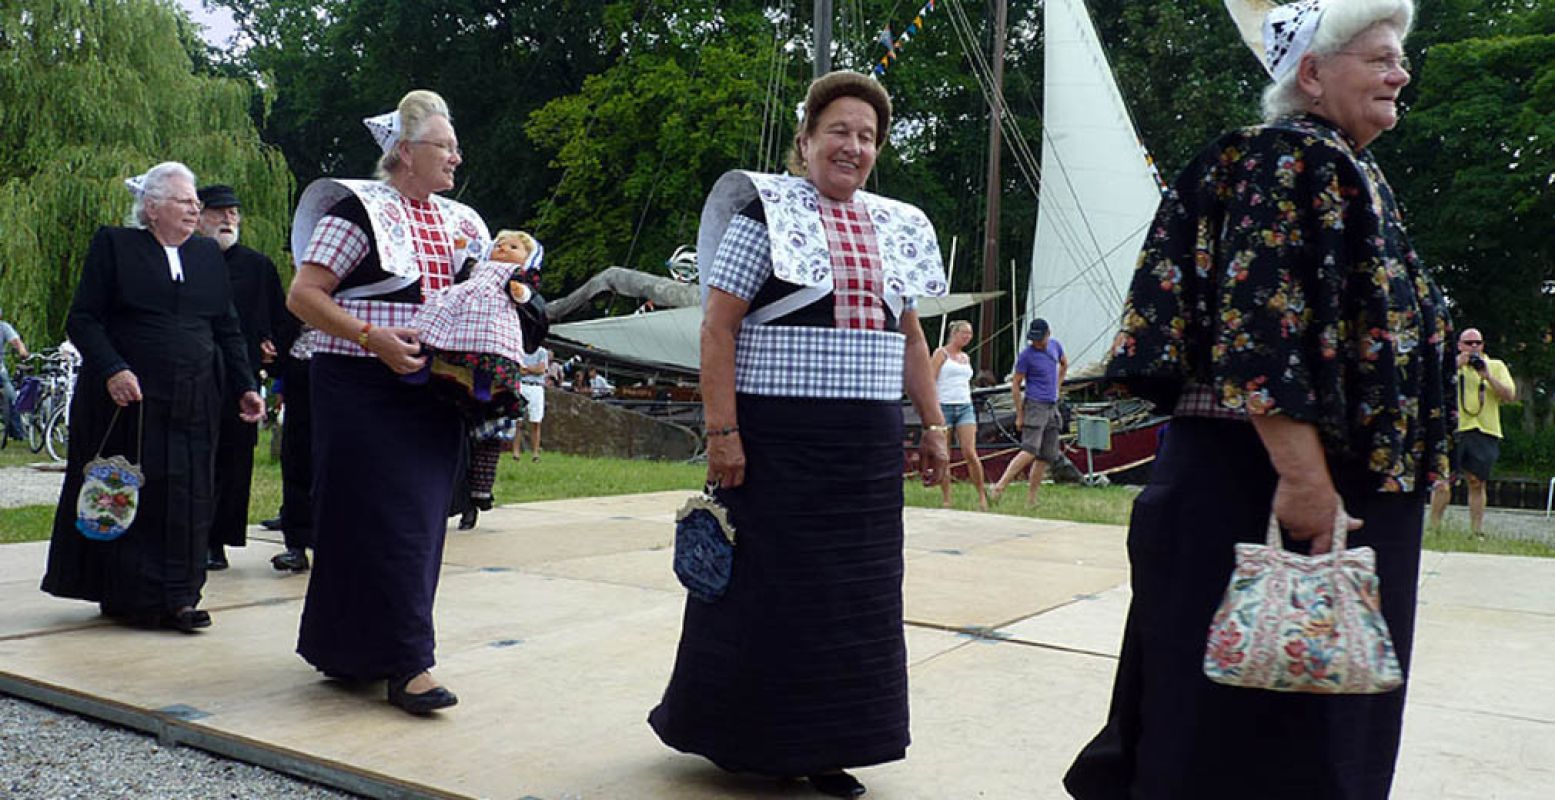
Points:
419	704
836	784
482	503
290	561
215	562
467	519
271	524
188	620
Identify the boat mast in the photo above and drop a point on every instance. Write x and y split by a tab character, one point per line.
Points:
991	223
823	15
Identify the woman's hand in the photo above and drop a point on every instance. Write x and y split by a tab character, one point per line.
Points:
399	348
251	408
726	461
124	388
1306	507
933	456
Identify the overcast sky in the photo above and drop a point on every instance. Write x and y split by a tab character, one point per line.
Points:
218	24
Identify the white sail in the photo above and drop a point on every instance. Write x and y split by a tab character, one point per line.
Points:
1098	191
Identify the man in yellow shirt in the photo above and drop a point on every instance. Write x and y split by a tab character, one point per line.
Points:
1484	383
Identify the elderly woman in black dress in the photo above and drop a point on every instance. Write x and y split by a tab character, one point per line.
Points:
384	450
161	350
1280	312
809	338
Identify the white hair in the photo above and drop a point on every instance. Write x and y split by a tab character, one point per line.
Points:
1342	22
155	188
416	108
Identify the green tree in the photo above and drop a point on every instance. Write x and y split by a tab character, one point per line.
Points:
90	94
1479	145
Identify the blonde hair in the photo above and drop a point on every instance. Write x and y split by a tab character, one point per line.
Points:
1342	22
416	108
523	238
835	86
960	324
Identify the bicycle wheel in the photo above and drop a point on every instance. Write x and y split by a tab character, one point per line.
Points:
37	424
57	438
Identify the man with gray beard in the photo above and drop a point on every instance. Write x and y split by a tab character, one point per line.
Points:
261	307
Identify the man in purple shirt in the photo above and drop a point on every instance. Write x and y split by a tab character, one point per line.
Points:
1039	372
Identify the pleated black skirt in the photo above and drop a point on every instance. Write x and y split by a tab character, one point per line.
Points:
802	666
384	455
1171	732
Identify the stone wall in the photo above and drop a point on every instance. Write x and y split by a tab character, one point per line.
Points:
580	425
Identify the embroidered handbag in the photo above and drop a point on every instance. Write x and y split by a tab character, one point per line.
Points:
704	546
1294	623
110	494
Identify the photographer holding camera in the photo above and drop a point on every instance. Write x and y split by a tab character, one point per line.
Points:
1484	383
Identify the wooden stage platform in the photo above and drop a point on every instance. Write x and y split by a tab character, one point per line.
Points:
557	625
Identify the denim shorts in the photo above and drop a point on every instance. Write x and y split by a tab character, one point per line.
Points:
957	414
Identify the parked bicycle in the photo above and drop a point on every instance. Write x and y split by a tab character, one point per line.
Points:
47	382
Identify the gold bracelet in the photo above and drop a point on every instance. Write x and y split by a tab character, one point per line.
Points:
361	338
937	428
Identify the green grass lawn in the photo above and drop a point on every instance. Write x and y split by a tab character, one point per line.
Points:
558	476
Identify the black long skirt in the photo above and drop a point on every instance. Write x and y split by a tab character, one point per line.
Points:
297	457
384	455
1171	732
802	666
158	565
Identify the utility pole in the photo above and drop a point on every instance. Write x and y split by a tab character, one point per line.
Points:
823	15
995	150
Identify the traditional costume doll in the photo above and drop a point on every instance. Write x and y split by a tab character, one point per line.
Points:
477	332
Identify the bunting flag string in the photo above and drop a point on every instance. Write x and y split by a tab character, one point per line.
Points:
893	46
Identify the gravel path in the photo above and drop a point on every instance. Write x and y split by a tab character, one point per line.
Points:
45	755
25	486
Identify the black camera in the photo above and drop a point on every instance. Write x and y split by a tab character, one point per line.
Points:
1477	363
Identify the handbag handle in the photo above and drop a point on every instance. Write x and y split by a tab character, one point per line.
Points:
1341	531
140	430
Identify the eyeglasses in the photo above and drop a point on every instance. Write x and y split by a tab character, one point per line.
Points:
1382	65
187	202
450	149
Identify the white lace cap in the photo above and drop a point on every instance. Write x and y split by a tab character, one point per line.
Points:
1278	34
385	129
136	185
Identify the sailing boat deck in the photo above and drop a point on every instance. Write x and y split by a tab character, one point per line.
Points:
558	621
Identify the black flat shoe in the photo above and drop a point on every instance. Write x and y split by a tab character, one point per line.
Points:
419	704
467	519
836	784
290	561
482	503
215	562
272	524
188	620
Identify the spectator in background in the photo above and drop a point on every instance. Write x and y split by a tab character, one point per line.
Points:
534	369
1484	383
1039	374
261	307
10	338
598	386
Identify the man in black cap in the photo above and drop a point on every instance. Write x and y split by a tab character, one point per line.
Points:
261	307
1039	372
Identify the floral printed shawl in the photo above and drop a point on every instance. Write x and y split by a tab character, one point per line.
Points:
1278	274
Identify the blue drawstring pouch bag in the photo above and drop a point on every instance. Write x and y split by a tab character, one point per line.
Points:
704	546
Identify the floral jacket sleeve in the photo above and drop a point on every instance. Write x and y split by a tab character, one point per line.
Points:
1279	275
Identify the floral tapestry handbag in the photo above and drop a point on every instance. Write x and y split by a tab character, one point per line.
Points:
704	546
110	495
1295	623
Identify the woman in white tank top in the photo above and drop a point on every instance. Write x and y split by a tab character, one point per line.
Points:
953	379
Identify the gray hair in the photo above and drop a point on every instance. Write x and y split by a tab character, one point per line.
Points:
416	109
155	188
1342	22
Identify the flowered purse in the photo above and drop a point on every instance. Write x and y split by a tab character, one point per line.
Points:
1294	623
110	494
704	546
